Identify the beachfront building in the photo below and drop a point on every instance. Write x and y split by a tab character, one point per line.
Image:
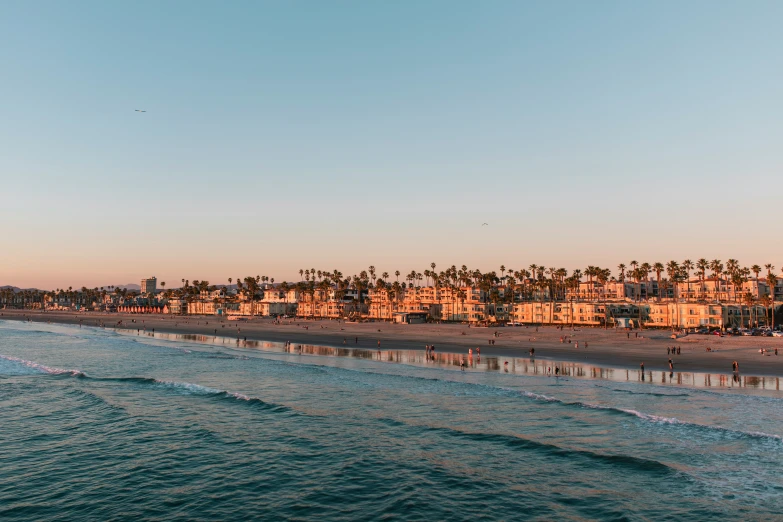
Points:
411	317
177	306
384	303
217	293
278	295
133	309
617	290
265	308
329	303
707	289
706	315
422	299
205	307
724	290
559	312
149	285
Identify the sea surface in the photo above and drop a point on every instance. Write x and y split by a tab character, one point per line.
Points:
100	425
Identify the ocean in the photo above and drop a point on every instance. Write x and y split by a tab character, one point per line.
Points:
100	425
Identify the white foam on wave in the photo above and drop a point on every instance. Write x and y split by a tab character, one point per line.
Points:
198	389
41	367
539	397
189	387
653	418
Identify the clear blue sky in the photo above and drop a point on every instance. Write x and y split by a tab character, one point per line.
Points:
285	135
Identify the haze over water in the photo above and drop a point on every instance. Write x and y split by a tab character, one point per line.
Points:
98	425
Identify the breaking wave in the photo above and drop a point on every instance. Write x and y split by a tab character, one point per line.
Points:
650	417
42	368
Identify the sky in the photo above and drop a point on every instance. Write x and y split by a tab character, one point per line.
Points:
288	135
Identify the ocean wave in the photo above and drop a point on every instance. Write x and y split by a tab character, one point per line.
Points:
190	388
510	392
658	419
42	368
578	404
654	394
516	441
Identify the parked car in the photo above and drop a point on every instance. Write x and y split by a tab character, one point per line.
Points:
777	333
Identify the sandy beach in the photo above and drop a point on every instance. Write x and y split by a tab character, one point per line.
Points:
611	348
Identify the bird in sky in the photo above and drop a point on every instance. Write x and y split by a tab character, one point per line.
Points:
485	224
139	110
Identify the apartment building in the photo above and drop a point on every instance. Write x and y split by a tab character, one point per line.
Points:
709	315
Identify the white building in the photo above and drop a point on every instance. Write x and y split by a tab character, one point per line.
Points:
148	286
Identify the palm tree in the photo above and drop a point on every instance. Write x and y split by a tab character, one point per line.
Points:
635	275
687	266
717	269
749	300
772	281
702	265
732	272
658	269
621	267
645	269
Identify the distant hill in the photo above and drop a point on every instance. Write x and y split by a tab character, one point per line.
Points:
129	287
17	289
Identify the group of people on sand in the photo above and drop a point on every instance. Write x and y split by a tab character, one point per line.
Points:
463	363
673	350
568	338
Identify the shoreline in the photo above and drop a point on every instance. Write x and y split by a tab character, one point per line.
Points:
617	349
509	364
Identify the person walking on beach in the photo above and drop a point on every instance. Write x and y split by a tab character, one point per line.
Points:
641	366
671	365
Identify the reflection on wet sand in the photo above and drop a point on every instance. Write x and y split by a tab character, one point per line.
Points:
521	366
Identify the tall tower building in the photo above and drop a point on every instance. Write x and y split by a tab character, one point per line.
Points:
149	285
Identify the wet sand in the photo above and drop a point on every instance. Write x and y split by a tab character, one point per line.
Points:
609	348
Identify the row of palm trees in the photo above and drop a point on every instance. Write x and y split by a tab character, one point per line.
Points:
536	282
